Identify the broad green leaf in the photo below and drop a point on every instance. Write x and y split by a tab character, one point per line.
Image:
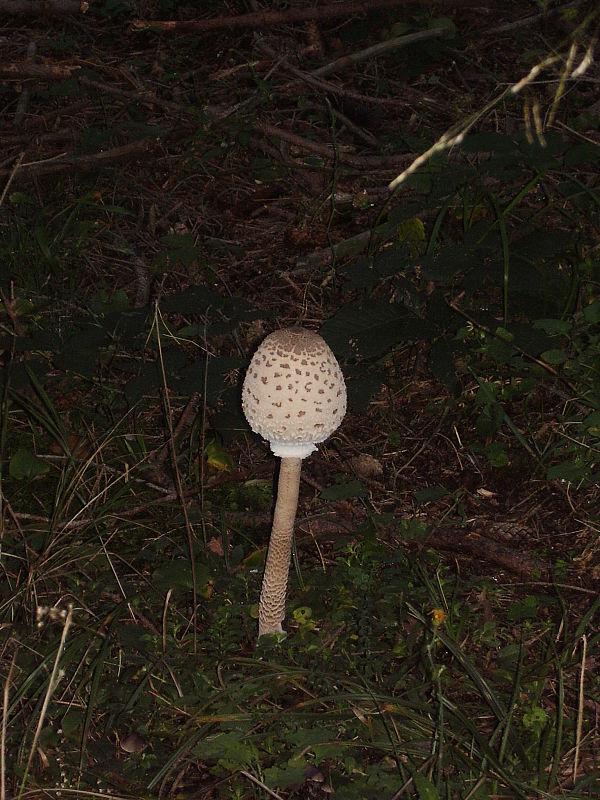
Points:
25	465
567	471
554	327
591	313
555	357
292	774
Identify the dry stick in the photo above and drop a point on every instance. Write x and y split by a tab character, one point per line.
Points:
11	176
5	698
579	726
327	86
146	96
328	152
52	684
25	92
65	162
377	49
161	455
534	18
260	784
33	7
261	19
25	69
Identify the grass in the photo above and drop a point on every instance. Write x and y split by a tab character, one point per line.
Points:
399	676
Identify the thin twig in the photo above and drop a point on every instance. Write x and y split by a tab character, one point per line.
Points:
11	176
261	784
5	698
579	726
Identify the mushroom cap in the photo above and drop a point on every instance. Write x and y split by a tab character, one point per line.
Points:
294	393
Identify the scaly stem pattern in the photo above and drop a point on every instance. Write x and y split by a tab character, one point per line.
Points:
271	609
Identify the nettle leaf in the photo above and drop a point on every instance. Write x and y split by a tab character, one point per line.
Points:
488	142
496	454
554	327
194	300
343	490
292	774
582	154
555	357
368	328
591	313
568	471
177	250
233	747
535	246
441	362
362	386
25	465
222	372
592	423
431	494
177	574
217	457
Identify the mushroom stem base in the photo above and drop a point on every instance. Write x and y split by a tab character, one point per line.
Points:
271	608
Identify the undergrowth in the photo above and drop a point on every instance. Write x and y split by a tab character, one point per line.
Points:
443	614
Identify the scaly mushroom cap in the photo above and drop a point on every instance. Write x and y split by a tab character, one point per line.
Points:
294	393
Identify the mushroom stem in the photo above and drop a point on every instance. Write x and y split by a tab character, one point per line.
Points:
271	608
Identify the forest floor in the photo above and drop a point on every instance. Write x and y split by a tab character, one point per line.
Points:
171	194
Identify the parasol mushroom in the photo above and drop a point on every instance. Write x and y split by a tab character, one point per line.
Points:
294	396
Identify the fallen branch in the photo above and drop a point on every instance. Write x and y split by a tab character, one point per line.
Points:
377	49
261	19
487	551
26	69
66	162
23	8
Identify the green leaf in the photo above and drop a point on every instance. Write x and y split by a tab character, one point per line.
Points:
232	747
525	609
425	788
567	471
290	775
217	457
25	465
368	328
554	327
496	454
176	574
431	494
555	357
178	250
343	490
591	313
441	362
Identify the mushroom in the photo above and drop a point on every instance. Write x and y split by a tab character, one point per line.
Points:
294	396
